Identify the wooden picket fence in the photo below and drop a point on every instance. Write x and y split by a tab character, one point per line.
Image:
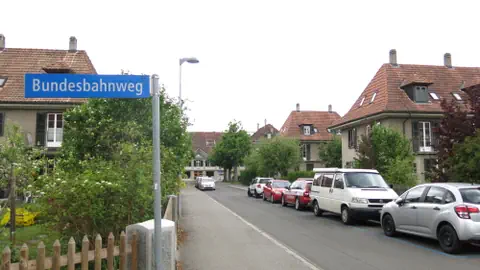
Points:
72	258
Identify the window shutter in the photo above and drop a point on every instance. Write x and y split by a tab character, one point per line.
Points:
308	151
415	137
40	130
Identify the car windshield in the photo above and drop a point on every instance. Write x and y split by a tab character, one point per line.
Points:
280	184
471	195
264	180
207	180
364	180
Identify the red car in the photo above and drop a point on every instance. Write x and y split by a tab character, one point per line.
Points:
274	189
298	194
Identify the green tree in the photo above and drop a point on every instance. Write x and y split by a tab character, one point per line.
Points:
103	178
231	151
278	155
467	159
390	153
331	152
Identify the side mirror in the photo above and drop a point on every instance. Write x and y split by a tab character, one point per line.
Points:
399	201
391	186
288	187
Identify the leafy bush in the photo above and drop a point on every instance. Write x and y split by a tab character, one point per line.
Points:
292	176
247	176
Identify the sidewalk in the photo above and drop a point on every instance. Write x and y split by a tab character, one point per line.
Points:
218	239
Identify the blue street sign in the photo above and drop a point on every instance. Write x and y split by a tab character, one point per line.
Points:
62	85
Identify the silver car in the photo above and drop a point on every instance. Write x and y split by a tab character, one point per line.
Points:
447	212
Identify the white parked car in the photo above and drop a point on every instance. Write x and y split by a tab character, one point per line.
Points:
352	193
256	186
206	183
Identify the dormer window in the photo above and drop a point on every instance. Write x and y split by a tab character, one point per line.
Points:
210	142
434	96
3	80
306	130
363	99
373	97
418	93
457	96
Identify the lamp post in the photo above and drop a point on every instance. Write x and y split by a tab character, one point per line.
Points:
191	60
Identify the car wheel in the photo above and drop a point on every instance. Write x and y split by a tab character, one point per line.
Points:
249	194
346	216
298	207
316	209
255	193
283	201
271	198
448	239
263	196
388	225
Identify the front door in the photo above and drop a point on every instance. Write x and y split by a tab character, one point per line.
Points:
325	197
338	193
408	212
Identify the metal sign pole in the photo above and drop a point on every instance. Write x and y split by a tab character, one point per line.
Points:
156	172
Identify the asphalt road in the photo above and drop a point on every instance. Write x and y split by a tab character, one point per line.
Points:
330	245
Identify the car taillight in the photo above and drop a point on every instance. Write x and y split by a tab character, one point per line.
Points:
464	211
306	194
259	186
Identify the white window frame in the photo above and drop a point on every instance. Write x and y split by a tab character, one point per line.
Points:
306	130
210	142
55	142
434	96
457	96
304	151
361	102
424	146
373	97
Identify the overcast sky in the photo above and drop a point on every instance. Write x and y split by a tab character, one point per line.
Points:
258	58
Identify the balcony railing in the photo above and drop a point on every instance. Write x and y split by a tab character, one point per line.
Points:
425	146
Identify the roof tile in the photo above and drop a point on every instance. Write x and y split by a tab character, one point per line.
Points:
319	119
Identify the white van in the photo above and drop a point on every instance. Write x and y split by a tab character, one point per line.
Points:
355	194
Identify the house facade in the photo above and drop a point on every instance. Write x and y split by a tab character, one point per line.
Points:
202	145
311	128
268	131
406	98
41	120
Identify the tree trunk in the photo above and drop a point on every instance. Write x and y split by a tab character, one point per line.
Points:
12	206
225	174
229	175
236	173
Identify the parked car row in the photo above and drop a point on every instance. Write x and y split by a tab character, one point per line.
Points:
447	212
205	183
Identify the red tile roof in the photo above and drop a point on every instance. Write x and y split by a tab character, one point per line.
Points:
14	63
319	119
199	140
391	98
260	133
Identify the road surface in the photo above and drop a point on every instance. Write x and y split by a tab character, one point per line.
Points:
328	244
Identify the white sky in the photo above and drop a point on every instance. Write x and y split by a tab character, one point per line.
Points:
258	58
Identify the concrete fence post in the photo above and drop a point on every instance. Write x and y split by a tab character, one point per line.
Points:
174	205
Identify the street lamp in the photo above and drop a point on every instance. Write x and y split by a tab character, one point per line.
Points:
191	60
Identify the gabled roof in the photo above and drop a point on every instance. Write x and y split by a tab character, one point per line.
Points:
14	63
390	97
320	120
199	140
260	133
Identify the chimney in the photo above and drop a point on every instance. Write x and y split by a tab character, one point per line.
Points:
330	108
73	44
447	60
265	122
258	126
298	107
2	42
393	57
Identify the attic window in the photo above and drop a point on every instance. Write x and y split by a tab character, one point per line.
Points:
456	96
434	96
3	80
361	102
373	97
306	130
210	142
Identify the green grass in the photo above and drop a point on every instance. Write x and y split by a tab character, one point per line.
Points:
31	235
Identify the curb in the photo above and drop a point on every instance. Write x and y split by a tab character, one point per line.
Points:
238	187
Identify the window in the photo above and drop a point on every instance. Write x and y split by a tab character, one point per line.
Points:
3	80
368	129
305	151
414	195
425	131
210	142
269	136
327	180
317	179
435	195
264	180
338	181
349	164
198	163
373	97
449	197
457	96
54	129
434	96
363	99
470	195
309	167
352	138
306	130
364	180
280	184
1	123
315	130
